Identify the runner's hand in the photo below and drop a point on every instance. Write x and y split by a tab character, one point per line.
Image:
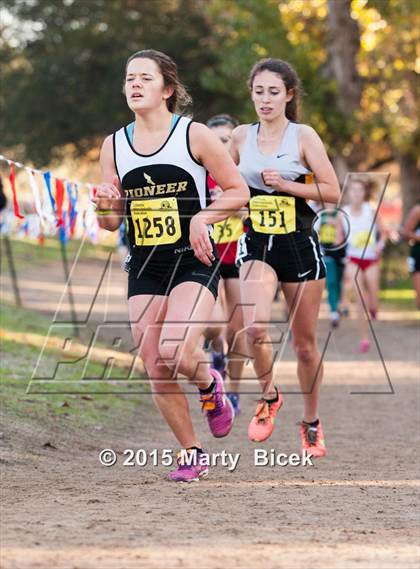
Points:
107	194
200	241
216	192
273	179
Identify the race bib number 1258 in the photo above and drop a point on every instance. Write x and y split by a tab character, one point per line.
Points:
156	222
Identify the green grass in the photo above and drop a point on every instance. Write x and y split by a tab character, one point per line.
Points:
28	253
82	401
396	284
19	319
399	294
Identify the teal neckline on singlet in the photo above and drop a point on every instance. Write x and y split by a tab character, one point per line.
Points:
130	127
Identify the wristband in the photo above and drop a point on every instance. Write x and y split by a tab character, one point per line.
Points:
104	212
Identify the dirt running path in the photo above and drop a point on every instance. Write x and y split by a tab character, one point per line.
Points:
356	508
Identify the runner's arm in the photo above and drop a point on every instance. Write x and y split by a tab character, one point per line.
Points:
326	188
238	139
383	235
108	198
409	229
207	149
243	211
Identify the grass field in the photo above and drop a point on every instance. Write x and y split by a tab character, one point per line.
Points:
27	253
19	400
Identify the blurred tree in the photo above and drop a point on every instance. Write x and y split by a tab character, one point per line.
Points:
360	75
389	64
62	81
294	30
369	53
356	58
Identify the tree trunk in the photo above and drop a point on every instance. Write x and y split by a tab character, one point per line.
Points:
409	180
343	48
341	167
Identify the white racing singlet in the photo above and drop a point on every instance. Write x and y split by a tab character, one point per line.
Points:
163	190
362	237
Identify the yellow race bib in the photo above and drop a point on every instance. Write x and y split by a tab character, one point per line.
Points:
156	222
228	230
360	239
327	233
273	214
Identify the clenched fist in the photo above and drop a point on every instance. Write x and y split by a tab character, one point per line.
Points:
107	194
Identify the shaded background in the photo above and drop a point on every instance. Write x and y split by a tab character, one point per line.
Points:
62	67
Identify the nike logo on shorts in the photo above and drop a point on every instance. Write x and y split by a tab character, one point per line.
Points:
301	275
194	274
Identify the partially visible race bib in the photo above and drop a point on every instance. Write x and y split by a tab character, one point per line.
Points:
156	221
273	214
228	230
360	239
327	233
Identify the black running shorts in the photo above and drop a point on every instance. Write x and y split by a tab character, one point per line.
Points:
229	271
160	274
295	257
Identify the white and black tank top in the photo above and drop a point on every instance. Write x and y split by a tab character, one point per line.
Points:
272	212
162	190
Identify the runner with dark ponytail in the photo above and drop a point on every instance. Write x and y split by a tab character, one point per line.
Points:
285	164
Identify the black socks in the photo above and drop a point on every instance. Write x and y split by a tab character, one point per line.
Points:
275	399
196	448
313	424
208	389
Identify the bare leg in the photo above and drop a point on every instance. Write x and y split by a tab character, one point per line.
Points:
258	283
351	271
304	300
147	314
371	275
189	310
346	288
235	333
214	331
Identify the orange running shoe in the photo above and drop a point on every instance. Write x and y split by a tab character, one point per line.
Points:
262	424
313	439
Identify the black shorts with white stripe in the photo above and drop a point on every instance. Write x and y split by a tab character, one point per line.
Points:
295	257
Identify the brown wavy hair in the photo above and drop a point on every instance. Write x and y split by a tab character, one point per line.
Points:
290	79
368	184
180	99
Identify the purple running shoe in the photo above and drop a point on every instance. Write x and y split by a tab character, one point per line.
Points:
190	468
218	408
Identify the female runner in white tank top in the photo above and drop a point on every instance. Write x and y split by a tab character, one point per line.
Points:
365	244
158	182
276	157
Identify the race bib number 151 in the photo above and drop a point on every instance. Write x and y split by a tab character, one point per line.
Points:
273	214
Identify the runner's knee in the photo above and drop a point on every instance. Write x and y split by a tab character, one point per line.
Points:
306	351
256	333
157	370
179	354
